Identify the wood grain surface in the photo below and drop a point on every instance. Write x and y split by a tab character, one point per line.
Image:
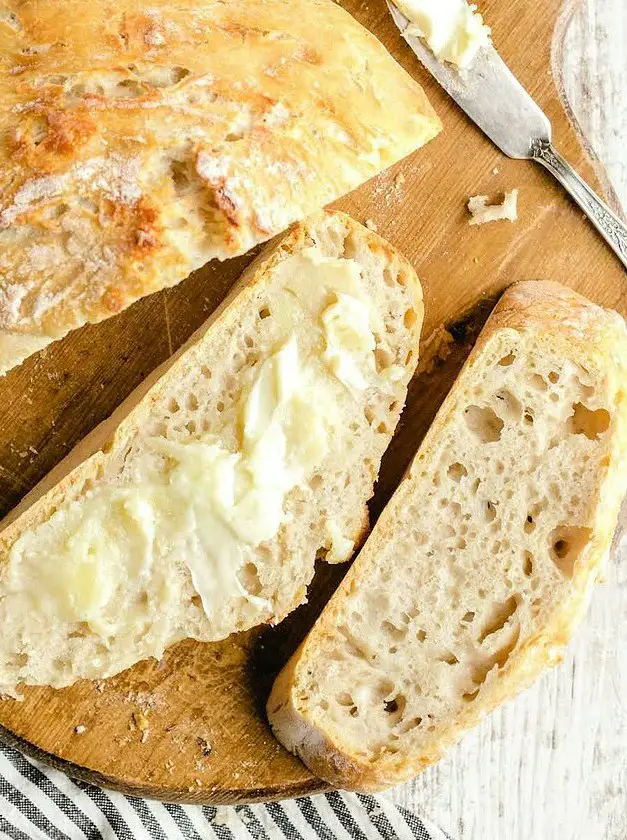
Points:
191	728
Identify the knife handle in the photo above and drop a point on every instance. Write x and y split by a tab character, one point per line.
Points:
611	228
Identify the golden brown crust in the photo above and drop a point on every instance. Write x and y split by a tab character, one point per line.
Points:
139	144
597	340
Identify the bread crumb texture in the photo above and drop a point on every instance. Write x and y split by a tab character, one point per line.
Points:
139	143
481	565
481	212
88	589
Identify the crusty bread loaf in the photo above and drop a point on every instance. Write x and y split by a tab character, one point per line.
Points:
80	601
481	565
139	141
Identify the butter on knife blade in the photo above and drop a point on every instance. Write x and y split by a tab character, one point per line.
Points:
453	29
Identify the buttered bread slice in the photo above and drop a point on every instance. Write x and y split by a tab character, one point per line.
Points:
138	141
200	507
481	565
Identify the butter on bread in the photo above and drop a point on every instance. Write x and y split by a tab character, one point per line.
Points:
198	509
481	565
140	142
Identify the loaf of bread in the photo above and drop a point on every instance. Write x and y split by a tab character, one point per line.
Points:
482	563
199	508
139	141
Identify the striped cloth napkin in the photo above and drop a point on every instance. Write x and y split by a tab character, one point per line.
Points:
37	803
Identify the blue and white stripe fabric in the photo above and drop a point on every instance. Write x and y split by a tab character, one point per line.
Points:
38	803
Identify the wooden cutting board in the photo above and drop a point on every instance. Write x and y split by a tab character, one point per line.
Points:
192	728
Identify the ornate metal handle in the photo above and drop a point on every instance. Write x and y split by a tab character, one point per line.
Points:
611	228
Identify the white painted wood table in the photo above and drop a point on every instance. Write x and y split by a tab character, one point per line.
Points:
552	764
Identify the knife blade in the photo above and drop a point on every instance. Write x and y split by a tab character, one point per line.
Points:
499	105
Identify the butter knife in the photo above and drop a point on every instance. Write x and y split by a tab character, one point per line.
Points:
496	101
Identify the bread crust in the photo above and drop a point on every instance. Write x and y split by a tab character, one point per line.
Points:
83	462
101	455
139	144
584	333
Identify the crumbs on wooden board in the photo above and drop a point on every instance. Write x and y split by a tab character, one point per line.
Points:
144	700
140	722
481	212
387	191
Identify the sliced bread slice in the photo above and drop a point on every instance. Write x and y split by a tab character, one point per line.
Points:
199	508
481	565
